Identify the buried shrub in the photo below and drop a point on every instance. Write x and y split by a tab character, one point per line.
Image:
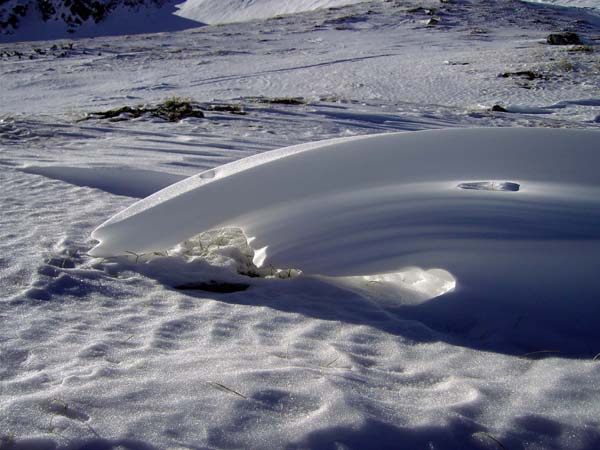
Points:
172	109
175	109
278	100
526	74
234	108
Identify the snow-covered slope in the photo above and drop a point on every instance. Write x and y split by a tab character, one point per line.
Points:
27	20
53	19
226	11
31	20
130	352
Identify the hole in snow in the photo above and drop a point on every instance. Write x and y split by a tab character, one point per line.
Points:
219	261
490	186
409	286
209	174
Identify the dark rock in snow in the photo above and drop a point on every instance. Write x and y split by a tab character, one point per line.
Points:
563	39
498	108
72	12
528	74
219	287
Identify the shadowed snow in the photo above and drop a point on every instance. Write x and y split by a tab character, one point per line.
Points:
116	180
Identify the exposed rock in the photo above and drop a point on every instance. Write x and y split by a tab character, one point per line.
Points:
278	100
220	287
72	12
171	110
498	108
235	108
563	39
527	74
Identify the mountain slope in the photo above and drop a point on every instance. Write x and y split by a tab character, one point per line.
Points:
52	19
228	11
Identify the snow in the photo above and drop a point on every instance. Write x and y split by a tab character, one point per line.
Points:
570	3
116	180
122	21
228	11
443	350
375	205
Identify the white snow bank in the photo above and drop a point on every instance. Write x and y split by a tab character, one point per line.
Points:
116	180
227	11
424	169
571	3
377	204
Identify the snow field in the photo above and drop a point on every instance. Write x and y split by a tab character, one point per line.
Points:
227	11
98	353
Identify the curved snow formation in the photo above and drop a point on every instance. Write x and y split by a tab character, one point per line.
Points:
228	11
570	3
376	204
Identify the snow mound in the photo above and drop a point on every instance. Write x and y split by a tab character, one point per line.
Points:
379	204
228	11
275	197
570	3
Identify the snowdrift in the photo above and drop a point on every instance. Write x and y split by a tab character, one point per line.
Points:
227	11
512	214
570	3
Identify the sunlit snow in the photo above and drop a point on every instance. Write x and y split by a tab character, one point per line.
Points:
383	233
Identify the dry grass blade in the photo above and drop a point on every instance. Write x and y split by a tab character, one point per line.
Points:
491	438
137	257
226	389
89	427
538	353
330	363
596	358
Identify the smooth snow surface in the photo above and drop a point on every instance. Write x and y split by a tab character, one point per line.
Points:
227	11
278	197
